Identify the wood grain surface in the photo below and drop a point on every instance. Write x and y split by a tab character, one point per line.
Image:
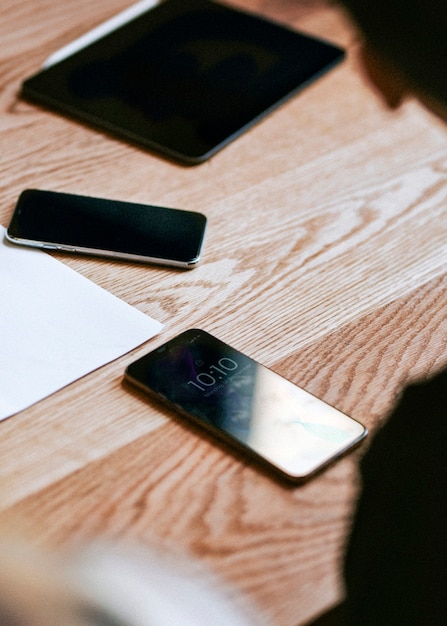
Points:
325	259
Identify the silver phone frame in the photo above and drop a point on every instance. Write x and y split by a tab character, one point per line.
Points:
108	254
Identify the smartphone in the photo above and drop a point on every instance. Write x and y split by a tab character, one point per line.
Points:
246	404
110	228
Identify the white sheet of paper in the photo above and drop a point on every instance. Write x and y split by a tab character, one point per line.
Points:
56	326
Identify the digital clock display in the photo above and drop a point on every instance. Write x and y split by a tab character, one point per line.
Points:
217	372
246	403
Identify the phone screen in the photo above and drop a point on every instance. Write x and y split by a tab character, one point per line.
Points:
126	230
246	404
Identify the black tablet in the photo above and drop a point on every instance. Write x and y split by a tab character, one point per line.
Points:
183	78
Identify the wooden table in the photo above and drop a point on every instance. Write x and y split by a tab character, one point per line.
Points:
325	259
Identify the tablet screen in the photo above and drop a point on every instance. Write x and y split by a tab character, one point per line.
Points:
183	78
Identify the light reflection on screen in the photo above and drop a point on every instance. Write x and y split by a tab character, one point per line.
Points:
241	399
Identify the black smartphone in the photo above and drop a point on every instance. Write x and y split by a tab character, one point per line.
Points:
246	404
111	228
182	78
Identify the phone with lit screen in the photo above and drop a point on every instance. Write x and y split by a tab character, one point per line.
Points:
247	405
